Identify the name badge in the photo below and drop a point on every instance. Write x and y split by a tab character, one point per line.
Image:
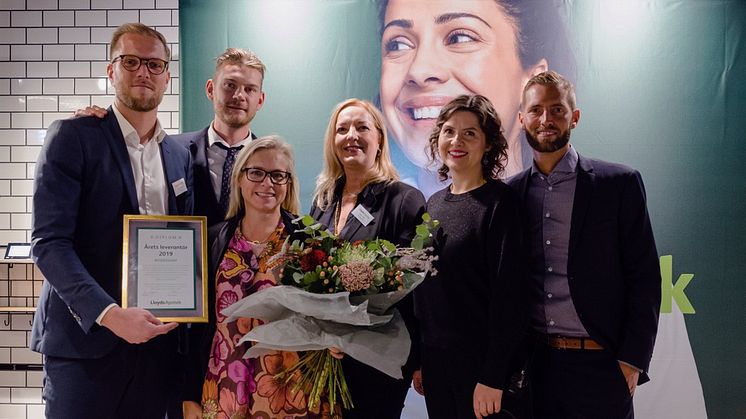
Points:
179	187
362	215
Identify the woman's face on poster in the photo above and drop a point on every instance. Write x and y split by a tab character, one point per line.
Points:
433	51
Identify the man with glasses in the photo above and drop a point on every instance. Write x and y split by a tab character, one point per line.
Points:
101	360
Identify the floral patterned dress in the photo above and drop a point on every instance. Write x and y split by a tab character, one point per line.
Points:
238	388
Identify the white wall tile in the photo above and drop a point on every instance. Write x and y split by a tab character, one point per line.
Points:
4	52
59	52
12	137
173	67
102	101
73	103
106	4
4	392
90	86
12	103
24	356
13	35
50	117
25	154
34	379
90	18
59	18
12	379
35	137
90	52
41	4
139	4
166	4
103	35
25	52
20	288
175	122
25	395
58	86
35	411
25	18
98	68
13	337
4	225
170	32
74	69
155	17
22	222
4	87
43	69
12	203
117	17
11	69
41	103
13	171
169	103
175	17
12	411
75	4
174	83
74	35
24	187
4	154
25	120
14	4
4	120
25	86
20	322
41	35
30	174
4	18
165	119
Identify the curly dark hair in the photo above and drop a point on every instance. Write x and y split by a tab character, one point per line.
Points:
496	153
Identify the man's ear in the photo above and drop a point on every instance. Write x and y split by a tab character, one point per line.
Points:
210	89
575	118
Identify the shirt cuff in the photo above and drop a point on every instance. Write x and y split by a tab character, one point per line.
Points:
103	313
630	365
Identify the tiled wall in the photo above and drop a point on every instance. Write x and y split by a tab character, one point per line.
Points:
53	56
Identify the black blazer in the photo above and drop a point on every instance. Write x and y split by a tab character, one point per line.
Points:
205	202
613	269
201	334
397	209
84	185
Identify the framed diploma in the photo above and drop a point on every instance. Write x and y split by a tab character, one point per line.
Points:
164	266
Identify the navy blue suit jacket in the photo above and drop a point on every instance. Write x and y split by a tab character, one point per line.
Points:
613	269
84	185
205	201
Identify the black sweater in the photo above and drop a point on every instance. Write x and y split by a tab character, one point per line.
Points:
477	303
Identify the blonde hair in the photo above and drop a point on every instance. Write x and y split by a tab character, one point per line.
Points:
383	170
138	29
551	79
239	56
269	142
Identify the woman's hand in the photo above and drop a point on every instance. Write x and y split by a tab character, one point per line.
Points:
336	353
191	410
417	382
94	110
487	400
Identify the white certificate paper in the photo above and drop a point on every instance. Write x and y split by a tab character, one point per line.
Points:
166	269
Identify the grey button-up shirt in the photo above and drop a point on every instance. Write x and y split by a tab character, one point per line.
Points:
549	204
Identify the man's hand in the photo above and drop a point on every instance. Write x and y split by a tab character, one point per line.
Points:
417	382
191	410
94	110
631	375
336	353
487	400
135	325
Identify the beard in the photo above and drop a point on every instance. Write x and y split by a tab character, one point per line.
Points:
140	104
231	119
549	146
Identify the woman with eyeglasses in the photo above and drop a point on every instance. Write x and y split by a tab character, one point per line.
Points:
359	197
263	199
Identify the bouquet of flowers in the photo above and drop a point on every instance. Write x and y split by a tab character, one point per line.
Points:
340	294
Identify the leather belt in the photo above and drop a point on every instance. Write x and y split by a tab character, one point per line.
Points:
561	342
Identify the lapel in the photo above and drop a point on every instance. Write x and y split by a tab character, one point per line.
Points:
581	202
172	173
119	150
368	198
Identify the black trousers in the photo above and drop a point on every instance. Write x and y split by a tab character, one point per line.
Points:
578	384
374	394
449	379
132	381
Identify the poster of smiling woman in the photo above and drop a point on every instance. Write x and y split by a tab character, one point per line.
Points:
660	86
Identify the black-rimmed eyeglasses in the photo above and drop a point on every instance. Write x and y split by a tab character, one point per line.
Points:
277	177
133	62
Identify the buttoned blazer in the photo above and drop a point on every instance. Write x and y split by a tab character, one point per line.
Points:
83	187
613	269
205	201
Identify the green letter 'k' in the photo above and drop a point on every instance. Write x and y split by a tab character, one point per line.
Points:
670	292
